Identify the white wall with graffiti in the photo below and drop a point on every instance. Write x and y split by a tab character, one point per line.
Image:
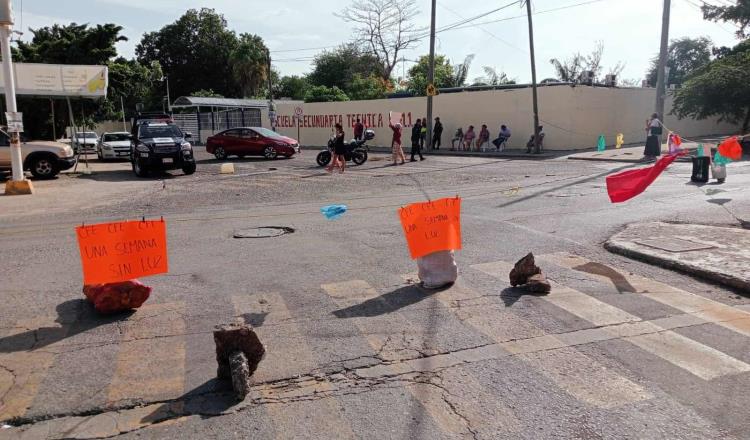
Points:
572	117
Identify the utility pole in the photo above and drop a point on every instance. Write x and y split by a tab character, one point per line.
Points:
537	145
18	184
122	107
431	74
661	79
169	101
271	107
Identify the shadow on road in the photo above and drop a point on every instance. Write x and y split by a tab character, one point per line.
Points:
124	176
620	282
212	398
74	316
387	303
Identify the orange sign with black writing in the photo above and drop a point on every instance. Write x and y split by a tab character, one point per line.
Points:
120	251
432	226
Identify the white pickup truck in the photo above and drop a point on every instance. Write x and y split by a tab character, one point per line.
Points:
45	159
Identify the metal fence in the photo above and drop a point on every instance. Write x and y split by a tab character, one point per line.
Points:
199	124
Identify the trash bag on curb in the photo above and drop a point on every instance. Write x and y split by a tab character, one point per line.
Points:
437	269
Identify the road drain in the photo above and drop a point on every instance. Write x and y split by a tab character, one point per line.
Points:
263	232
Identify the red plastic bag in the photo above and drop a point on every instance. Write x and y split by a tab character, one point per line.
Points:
116	297
731	148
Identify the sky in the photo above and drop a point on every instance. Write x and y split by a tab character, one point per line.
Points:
629	29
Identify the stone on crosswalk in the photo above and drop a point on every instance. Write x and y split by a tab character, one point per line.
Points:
529	276
233	342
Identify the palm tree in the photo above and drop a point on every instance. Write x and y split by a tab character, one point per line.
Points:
461	72
249	64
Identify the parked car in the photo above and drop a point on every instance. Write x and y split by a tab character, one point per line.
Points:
158	144
85	141
114	145
45	159
251	141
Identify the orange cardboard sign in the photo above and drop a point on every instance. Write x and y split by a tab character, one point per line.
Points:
432	226
121	251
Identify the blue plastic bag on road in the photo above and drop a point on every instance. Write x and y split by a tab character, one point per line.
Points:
333	212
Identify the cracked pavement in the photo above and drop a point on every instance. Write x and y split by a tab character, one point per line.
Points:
354	348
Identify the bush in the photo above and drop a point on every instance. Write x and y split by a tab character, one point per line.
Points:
325	94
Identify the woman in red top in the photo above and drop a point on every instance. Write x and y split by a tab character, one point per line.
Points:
398	152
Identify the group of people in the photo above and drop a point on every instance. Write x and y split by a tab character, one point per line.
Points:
470	140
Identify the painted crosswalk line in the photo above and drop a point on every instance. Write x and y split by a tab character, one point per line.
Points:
694	357
23	368
288	355
432	398
151	358
572	371
732	318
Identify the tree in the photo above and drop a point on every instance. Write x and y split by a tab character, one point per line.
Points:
336	68
250	64
325	94
70	44
493	78
417	75
570	70
363	88
135	83
385	28
206	93
738	13
720	88
294	87
461	72
194	52
686	55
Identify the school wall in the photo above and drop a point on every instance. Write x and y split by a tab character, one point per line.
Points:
573	117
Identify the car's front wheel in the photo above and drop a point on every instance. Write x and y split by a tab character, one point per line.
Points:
220	153
139	168
43	167
270	152
188	168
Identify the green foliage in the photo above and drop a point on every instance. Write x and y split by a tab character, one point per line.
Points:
720	88
493	78
294	87
195	53
70	44
325	94
250	64
686	55
338	67
361	88
417	76
206	93
135	83
739	14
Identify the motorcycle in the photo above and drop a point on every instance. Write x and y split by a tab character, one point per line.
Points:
356	150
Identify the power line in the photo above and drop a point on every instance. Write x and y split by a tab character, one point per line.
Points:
482	29
534	13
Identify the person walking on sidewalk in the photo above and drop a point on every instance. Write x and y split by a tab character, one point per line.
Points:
339	150
437	133
397	151
416	134
359	130
653	136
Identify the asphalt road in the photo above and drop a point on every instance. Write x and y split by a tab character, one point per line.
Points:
355	349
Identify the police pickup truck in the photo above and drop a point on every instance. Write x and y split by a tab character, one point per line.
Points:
157	144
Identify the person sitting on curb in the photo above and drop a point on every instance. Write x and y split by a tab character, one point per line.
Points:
458	137
469	138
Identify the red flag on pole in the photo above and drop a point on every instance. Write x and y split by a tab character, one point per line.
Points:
628	184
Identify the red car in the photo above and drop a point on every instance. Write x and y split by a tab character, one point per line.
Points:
251	141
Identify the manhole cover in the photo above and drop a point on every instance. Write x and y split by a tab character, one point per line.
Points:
675	245
263	232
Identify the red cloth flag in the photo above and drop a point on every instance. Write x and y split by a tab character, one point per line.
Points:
731	148
628	184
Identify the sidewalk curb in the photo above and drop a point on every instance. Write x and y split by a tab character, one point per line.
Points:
686	159
448	153
626	249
